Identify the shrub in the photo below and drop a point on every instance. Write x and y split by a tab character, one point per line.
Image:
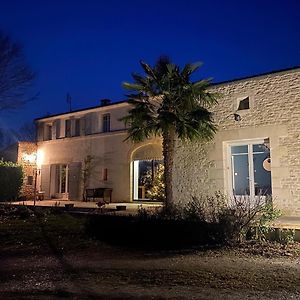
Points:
285	236
268	214
11	180
231	219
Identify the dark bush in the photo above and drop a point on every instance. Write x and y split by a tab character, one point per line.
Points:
205	220
153	232
11	180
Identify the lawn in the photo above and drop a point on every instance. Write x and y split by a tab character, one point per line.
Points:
50	256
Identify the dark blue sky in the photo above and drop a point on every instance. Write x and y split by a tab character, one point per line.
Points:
87	48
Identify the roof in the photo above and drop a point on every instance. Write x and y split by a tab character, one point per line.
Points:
82	109
213	84
257	75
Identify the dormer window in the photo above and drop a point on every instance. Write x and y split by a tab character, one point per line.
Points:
244	103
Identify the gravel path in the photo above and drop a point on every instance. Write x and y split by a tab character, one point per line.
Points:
112	273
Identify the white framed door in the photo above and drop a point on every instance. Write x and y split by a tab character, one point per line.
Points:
62	181
249	168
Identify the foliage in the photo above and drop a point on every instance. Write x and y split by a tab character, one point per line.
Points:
155	186
285	236
167	103
166	97
41	230
86	173
206	208
228	220
11	180
266	217
14	212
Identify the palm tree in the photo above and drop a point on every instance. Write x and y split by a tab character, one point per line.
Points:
167	103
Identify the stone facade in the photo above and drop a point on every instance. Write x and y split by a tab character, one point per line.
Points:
24	153
200	168
274	113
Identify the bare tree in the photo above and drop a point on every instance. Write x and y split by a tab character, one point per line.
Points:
27	132
15	75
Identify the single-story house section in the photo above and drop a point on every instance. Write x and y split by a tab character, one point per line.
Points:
256	150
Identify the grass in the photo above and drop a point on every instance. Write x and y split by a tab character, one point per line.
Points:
49	255
27	231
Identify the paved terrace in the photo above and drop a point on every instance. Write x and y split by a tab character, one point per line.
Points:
90	206
132	208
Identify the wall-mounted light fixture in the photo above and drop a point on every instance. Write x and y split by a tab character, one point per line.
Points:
237	117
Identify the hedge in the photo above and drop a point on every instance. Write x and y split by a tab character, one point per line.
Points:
11	180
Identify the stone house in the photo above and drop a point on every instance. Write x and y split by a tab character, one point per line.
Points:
23	153
256	150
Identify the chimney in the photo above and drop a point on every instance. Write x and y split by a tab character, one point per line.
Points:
105	102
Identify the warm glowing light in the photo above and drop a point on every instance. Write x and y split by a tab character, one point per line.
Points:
40	158
29	158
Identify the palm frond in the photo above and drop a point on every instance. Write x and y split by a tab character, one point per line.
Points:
147	69
132	86
165	98
190	68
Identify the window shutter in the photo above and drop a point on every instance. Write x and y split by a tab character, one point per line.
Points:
45	180
74	180
57	131
88	124
95	122
82	126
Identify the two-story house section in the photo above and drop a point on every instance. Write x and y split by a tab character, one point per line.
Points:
255	152
87	149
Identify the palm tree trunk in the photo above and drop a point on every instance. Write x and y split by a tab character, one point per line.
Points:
168	153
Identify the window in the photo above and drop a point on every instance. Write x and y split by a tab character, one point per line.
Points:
77	127
250	169
68	128
29	180
244	104
106	123
48	132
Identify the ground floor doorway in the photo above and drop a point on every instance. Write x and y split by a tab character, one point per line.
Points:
147	180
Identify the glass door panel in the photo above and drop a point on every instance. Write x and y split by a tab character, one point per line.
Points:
262	170
240	172
144	175
251	170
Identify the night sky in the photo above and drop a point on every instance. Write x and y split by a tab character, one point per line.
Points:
88	48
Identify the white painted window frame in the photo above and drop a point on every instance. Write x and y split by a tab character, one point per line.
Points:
229	163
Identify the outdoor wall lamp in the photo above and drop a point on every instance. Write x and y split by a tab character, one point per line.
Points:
237	117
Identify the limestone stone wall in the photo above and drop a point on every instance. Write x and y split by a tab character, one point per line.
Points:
202	168
29	168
